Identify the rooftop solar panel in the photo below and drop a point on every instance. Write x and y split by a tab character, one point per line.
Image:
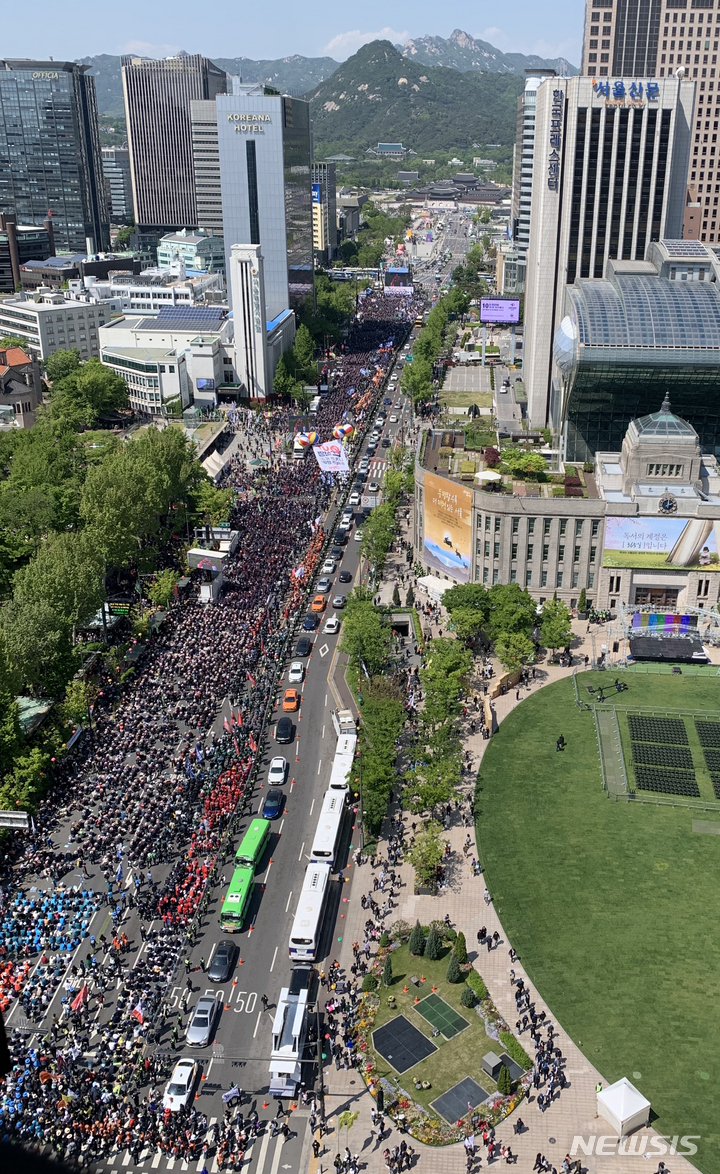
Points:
686	248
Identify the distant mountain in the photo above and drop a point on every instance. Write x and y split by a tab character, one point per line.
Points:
295	73
463	52
378	95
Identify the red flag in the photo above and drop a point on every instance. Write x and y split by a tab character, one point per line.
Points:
253	744
232	718
138	1013
237	748
226	725
262	646
250	678
239	719
80	997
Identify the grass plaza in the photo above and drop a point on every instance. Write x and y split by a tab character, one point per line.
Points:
612	905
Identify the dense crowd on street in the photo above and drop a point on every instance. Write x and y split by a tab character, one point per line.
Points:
99	901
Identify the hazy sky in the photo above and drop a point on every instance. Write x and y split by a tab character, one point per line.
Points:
226	28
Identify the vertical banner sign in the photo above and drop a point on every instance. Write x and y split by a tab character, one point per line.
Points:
556	117
448	527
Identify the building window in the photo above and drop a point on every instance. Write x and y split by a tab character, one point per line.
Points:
595	529
578	529
252	193
543	579
545	553
528	578
558	581
563	527
576	559
593	553
495	577
515	525
529	551
485	574
497	525
513	576
513	552
487	523
561	554
487	549
479	546
575	578
496	550
655	470
531	525
546	526
591	579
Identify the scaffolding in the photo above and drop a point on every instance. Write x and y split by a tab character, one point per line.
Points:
707	626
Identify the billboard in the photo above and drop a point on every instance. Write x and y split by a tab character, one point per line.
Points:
331	457
398	283
316	197
505	310
656	543
448	527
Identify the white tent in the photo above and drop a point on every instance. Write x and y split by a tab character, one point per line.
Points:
215	465
623	1106
435	586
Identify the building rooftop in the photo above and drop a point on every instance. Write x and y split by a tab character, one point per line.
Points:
664	425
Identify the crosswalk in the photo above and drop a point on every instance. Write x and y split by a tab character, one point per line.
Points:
154	1159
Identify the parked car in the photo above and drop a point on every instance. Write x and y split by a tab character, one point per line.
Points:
338	601
284	729
291	700
319	603
310	623
296	672
223	960
373	487
359	534
332	625
202	1021
324	584
273	804
386	442
179	1088
345	577
303	647
278	771
328	567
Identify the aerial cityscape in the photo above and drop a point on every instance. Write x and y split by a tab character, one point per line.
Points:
360	568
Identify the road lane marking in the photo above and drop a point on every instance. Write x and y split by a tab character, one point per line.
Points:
277	1155
323	733
311	806
276	950
301	851
288	903
324	650
257	1023
319	765
263	1151
326	698
282	824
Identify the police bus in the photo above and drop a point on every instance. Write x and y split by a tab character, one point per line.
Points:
237	898
307	925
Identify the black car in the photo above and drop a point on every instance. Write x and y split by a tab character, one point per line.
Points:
310	622
303	646
341	538
345	577
273	804
223	962
366	510
337	552
386	442
284	729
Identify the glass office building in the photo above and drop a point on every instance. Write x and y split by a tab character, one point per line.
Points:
50	159
650	329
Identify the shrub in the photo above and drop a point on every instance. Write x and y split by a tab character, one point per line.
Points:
514	1050
400	930
396	593
504	1082
384	940
387	975
370	983
468	998
573	491
572	481
433	945
588	467
460	950
582	601
476	984
454	973
416	944
492	457
450	934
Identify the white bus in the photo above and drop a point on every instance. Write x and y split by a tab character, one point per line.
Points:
329	827
307	924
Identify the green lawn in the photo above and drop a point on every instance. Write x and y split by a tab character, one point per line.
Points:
463	399
455	1058
612	907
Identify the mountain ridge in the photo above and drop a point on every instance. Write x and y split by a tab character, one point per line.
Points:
462	52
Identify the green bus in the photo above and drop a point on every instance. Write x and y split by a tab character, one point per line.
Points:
253	844
236	901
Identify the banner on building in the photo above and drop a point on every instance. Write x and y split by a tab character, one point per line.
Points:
331	457
656	543
448	527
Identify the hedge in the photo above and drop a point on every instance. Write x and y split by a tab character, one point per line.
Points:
515	1051
476	984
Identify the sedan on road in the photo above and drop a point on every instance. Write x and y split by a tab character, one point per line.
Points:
328	567
337	552
202	1021
273	804
332	625
296	672
393	419
179	1088
324	584
310	623
387	401
303	647
338	601
373	487
291	700
223	960
359	535
319	603
278	770
284	730
345	577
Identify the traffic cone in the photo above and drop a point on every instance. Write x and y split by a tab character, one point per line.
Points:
417	999
422	978
433	988
266	1104
405	990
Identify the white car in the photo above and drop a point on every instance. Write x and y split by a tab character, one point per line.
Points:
354	498
179	1088
332	625
358	535
393	419
373	487
278	771
296	672
328	567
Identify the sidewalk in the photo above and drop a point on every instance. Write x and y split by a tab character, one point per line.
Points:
573	1112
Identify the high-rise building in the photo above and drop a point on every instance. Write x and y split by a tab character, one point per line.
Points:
265	156
324	211
20	243
259	340
50	158
118	183
157	108
609	177
206	166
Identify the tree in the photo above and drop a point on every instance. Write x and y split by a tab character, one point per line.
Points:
514	649
346	1120
467	624
38	645
387	976
426	854
365	637
86	393
492	457
582	601
468	998
460	949
410	597
504	1083
453	973
303	353
9	340
556	630
433	946
512	609
396	596
76	703
212	504
468	595
67	574
162	590
62	364
124	234
416	944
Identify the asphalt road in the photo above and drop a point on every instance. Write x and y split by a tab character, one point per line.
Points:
239	1052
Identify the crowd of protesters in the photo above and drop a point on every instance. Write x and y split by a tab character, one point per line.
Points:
147	801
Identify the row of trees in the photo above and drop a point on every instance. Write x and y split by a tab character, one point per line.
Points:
417	377
506	616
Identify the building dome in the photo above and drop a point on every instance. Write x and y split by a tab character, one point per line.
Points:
664	425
